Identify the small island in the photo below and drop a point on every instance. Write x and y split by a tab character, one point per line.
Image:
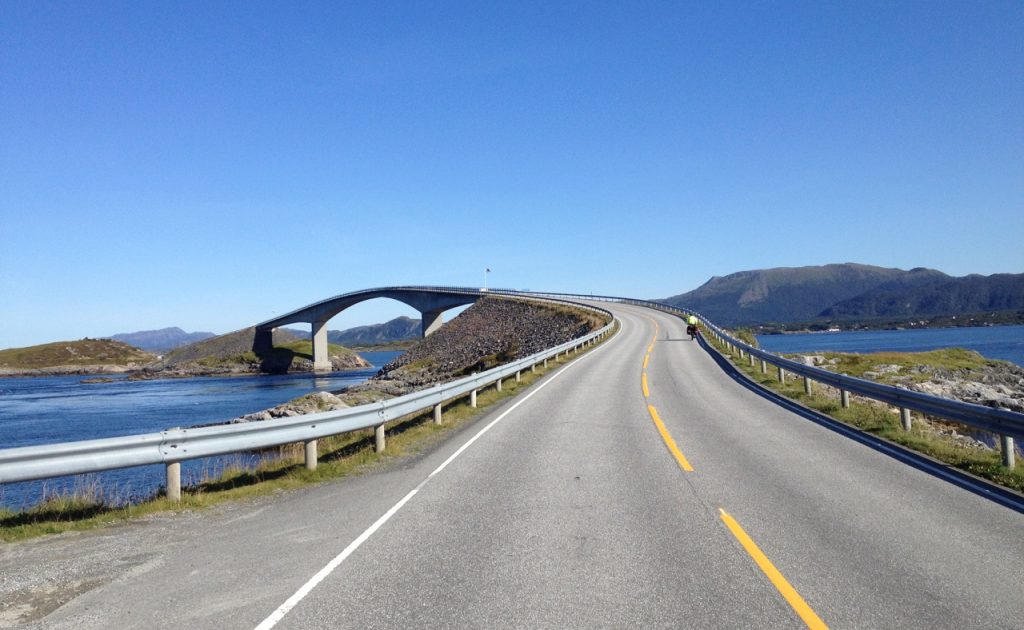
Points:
230	354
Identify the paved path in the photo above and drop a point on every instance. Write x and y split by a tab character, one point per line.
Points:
570	510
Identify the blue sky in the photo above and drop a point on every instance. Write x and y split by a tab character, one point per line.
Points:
209	165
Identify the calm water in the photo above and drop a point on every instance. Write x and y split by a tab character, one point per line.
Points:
45	410
994	342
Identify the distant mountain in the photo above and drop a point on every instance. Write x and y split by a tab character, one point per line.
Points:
160	340
847	292
950	296
399	329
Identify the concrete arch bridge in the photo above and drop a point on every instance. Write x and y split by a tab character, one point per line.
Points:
431	302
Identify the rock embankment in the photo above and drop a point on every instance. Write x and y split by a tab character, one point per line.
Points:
988	383
492	332
310	403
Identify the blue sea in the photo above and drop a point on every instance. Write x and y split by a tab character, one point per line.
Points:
45	410
995	342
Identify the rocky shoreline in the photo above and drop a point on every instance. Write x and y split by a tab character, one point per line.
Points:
492	332
995	384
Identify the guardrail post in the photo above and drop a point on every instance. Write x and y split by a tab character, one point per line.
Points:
1009	457
310	454
378	438
782	375
545	364
905	418
751	357
472	398
498	385
844	397
518	378
437	413
764	366
174	482
533	369
807	386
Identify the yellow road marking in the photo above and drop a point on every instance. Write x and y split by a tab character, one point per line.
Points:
647	392
798	604
669	442
647	358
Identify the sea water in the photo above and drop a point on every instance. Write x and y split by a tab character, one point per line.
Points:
994	342
46	410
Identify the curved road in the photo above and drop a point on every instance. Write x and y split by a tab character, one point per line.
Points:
567	508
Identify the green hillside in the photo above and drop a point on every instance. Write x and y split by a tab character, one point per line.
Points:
86	352
848	292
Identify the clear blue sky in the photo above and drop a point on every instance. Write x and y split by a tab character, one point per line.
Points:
208	165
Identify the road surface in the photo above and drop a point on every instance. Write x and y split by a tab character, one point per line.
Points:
567	507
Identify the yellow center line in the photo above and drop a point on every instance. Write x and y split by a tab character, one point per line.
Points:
789	593
669	442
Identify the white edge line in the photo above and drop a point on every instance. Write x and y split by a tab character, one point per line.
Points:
322	574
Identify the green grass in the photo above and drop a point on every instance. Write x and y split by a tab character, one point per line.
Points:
73	353
883	421
282	469
917	366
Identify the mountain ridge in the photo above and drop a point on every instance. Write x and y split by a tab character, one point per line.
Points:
847	292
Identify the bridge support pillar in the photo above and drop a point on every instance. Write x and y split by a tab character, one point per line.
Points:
431	321
263	341
321	359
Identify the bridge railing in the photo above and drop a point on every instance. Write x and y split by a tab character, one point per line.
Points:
173	446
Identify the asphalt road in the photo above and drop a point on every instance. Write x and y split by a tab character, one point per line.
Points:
569	510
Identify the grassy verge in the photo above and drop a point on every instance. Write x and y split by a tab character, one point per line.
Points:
929	436
340	456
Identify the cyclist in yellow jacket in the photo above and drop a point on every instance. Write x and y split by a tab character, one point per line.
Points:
691	326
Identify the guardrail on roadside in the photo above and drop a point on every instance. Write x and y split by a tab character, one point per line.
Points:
173	446
1005	423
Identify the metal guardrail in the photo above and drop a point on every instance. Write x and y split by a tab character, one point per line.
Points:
175	445
1005	423
172	446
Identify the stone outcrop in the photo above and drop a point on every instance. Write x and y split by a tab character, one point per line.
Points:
492	332
991	383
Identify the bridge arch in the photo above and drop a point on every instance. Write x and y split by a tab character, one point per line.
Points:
431	302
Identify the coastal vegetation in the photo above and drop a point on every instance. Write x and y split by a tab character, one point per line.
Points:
76	357
952	373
